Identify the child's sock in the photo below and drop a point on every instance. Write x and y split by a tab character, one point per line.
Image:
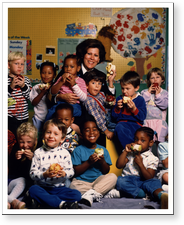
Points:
163	197
141	194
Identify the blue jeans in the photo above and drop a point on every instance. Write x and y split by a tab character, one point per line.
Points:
53	196
131	185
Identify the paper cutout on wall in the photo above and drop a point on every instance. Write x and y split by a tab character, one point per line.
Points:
89	30
23	46
140	33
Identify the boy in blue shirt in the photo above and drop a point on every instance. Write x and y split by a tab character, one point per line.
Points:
130	109
92	177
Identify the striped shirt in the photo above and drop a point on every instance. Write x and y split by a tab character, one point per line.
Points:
79	89
19	110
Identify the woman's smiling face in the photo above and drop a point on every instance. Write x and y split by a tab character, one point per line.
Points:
91	58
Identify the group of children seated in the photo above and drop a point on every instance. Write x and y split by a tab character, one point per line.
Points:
59	160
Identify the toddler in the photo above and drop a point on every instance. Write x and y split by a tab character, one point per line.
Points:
96	101
92	177
64	113
157	102
139	167
51	166
38	94
19	88
69	82
19	162
129	111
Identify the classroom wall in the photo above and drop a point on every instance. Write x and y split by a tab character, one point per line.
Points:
44	26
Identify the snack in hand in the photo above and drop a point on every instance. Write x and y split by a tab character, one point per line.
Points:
23	156
126	99
136	147
99	151
110	100
55	167
42	86
155	85
109	68
19	76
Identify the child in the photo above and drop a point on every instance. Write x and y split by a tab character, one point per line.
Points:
19	88
157	102
139	169
163	156
131	114
19	162
95	102
49	186
38	94
69	82
91	170
64	113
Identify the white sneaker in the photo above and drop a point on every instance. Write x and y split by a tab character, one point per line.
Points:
90	196
112	194
165	187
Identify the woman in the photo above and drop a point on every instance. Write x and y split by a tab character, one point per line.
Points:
90	52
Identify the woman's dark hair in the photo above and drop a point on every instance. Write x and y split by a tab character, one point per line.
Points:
94	74
147	130
131	77
53	65
71	56
82	48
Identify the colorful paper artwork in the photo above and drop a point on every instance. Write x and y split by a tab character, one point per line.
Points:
89	30
140	32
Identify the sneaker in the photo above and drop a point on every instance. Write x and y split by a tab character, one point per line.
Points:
90	196
112	194
165	187
69	205
164	201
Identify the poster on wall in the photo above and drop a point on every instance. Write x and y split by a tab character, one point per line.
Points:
68	46
23	46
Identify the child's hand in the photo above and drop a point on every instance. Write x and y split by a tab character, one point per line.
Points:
52	174
61	173
93	158
131	105
128	147
19	154
138	159
28	154
111	79
120	103
14	83
21	82
109	134
158	90
71	80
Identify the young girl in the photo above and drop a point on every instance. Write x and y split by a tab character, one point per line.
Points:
49	188
69	82
157	102
38	95
92	177
19	162
139	167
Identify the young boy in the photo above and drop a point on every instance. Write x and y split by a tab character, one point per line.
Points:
19	163
51	166
129	114
64	113
91	167
95	103
19	88
139	168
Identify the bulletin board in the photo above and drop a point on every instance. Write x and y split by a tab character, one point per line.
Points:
24	46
